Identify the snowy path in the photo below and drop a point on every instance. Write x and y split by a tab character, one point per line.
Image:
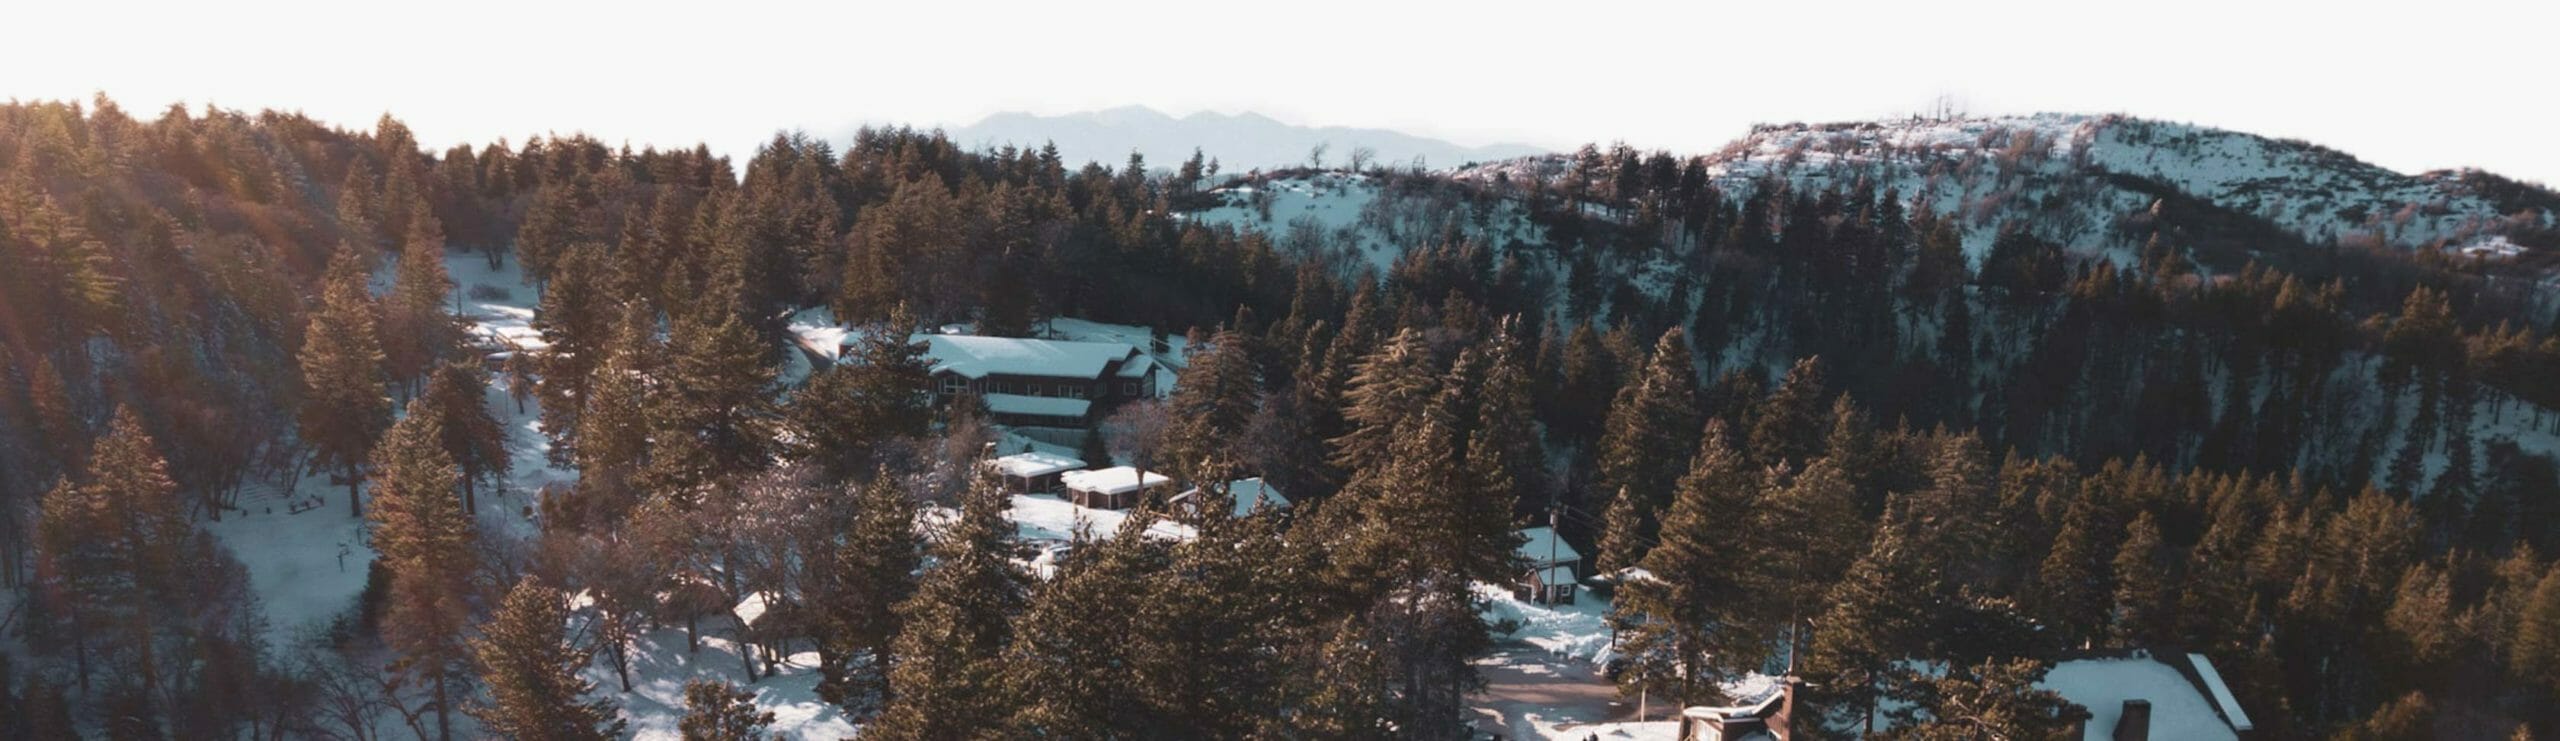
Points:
1532	693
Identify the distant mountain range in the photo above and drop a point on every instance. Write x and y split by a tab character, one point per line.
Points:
1240	142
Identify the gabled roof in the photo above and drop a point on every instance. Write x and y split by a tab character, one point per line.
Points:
975	356
1034	464
1113	480
1535	547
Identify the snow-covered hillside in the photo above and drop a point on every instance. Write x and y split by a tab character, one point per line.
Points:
1353	215
2072	177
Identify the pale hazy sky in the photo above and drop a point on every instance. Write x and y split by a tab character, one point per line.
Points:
2418	86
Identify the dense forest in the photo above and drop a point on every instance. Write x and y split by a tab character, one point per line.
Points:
1834	443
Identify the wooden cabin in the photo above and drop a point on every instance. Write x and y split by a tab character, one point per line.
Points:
1552	576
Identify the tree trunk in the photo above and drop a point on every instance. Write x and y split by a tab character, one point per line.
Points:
355	505
444	716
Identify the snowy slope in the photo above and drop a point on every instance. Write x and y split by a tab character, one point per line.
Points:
1352	215
2067	173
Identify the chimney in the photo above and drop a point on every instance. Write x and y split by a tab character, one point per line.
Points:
2135	723
1778	722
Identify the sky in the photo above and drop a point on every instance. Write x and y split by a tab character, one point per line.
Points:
2446	83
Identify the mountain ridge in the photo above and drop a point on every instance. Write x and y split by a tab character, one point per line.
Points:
1241	141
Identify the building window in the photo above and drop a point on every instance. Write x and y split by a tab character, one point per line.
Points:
953	385
1072	392
1129	388
1004	387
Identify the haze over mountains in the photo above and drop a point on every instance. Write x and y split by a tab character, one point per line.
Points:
1240	142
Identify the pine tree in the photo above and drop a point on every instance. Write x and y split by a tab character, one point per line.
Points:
1789	427
110	549
613	442
1623	541
2534	654
532	672
1878	616
576	320
425	542
1503	447
1220	394
872	573
1652	426
2071	586
881	392
948	654
713	418
1391	383
1075	650
2141	612
1803	534
716	711
343	407
1347	695
1687	625
417	325
458	397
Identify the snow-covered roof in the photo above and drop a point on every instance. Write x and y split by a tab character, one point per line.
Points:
1029	465
1539	545
2221	693
975	356
1137	368
1556	576
1038	406
2178	709
1113	480
1250	494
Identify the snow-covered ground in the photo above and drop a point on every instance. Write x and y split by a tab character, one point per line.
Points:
1577	632
1350	213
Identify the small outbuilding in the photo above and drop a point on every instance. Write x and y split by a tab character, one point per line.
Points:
1033	473
1117	487
1553	568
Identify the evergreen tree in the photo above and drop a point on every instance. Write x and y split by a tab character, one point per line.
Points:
417	326
458	397
949	649
532	672
2141	612
1219	395
716	711
881	392
425	543
111	548
1623	542
1391	383
613	444
714	417
576	319
1503	446
2534	653
1075	651
1652	426
1802	534
1688	625
871	574
343	407
1878	616
1789	428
